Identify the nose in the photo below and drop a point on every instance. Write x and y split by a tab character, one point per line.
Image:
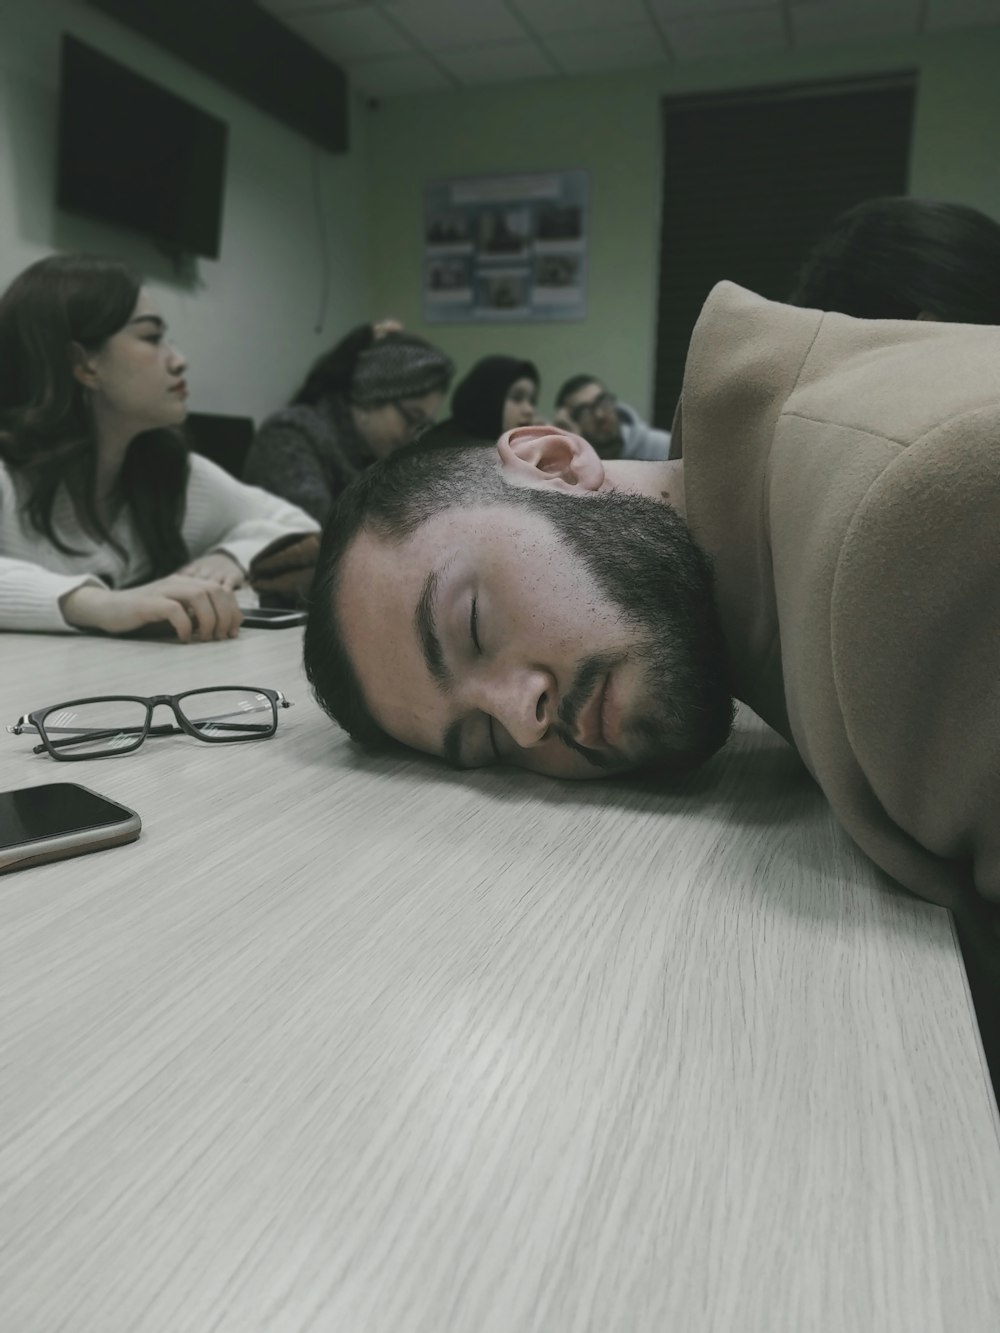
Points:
178	361
522	700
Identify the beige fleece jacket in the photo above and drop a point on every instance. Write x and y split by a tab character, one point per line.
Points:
845	476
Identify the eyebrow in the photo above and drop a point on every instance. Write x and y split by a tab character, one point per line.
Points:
160	323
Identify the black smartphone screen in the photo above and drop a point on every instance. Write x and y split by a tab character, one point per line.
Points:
33	813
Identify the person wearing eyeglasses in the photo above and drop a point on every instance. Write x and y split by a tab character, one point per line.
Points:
107	521
379	389
615	430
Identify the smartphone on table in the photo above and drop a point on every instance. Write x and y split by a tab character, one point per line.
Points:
60	819
272	617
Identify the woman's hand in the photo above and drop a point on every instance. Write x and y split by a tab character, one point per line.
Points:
388	325
195	608
216	568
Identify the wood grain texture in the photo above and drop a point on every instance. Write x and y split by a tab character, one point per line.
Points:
360	1045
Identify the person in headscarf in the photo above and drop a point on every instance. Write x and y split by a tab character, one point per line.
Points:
498	394
376	391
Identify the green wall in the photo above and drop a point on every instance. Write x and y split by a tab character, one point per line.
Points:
610	125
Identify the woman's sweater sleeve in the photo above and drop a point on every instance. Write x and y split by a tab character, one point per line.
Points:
224	514
284	460
29	596
30	592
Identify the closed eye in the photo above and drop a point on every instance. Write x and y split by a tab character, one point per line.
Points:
474	626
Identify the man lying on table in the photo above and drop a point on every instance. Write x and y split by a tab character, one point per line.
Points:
548	609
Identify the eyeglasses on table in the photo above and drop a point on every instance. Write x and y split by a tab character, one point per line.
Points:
114	724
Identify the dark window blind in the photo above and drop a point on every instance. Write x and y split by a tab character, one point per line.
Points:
752	180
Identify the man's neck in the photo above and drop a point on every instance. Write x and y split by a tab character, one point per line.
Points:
663	481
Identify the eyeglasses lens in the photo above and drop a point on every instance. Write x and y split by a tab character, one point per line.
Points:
107	726
229	715
586	410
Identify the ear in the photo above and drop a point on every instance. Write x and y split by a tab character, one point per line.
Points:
550	458
83	368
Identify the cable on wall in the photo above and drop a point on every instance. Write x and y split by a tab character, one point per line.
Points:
324	290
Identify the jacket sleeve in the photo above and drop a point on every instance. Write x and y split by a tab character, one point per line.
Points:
224	514
284	461
915	620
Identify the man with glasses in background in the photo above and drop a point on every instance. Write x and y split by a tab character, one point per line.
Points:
615	430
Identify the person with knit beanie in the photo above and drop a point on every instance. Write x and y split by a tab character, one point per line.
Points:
377	390
498	394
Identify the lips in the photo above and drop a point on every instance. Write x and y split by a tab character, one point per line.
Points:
180	388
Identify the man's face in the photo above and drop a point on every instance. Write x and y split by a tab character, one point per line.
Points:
592	413
574	636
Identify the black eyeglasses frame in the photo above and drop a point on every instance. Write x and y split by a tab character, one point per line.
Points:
55	748
584	410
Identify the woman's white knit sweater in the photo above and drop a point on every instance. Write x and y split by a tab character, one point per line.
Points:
220	514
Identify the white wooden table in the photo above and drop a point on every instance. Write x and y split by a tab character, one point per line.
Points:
359	1045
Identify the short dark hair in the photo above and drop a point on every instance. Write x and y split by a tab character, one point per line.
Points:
391	499
573	385
897	258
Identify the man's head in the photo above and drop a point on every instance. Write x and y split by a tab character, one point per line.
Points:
585	406
517	610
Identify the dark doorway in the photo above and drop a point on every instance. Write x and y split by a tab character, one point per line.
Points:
225	440
750	182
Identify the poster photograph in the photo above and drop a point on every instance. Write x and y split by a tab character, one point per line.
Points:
508	247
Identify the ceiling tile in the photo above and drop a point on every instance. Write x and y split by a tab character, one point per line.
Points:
961	13
546	16
283	7
441	24
348	34
614	48
391	76
506	62
734	34
712	8
820	23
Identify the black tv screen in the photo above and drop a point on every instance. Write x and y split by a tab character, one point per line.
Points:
132	153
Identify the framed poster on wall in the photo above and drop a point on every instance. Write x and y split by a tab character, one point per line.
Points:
505	248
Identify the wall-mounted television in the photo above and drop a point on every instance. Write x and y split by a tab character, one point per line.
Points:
132	153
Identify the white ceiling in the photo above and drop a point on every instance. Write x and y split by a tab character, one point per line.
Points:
391	47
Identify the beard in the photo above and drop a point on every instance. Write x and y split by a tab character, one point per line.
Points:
641	554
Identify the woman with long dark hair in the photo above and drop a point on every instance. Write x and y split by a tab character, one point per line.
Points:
375	391
107	522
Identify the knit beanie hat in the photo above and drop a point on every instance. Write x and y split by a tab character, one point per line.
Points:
477	403
399	366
